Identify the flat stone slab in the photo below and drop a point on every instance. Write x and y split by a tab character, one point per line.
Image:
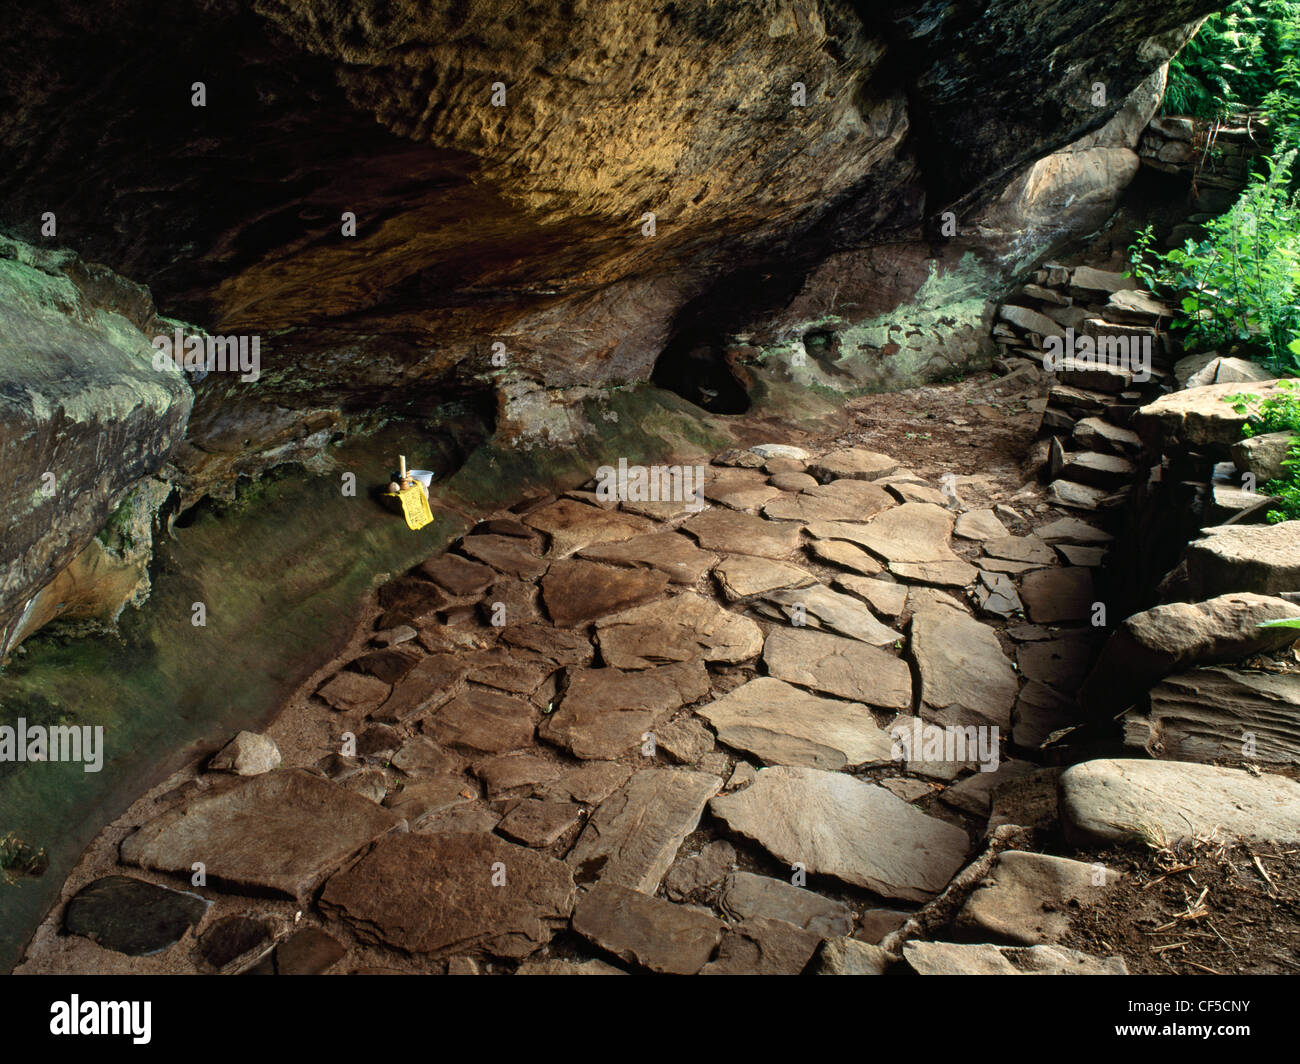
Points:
420	758
740	493
351	692
966	679
912	532
1040	711
886	598
389	664
483	721
656	934
459	576
1075	496
1031	898
419	800
949	958
1115	800
835	665
786	725
821	607
634	834
853	463
845	555
980	525
556	644
731	532
792	481
839	826
539	823
604	712
591	783
281	832
1021	549
1264	559
509	773
577	591
436	895
743	576
429	684
706	869
572	525
506	554
747	896
1072	530
763	947
131	916
849	956
670	553
685	740
1053	595
1061	663
684	627
841	500
230	938
952	573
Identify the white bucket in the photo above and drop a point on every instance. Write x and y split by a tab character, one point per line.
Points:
424	476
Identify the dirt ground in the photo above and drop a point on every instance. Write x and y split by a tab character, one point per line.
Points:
1210	909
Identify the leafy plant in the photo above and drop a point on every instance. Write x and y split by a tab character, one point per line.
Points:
1239	287
1285	622
1279	412
17	858
1234	62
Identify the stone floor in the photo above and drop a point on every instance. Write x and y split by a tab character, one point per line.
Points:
600	737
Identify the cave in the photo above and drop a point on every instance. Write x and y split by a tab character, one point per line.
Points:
916	649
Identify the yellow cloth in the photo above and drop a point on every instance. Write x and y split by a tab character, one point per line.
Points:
415	507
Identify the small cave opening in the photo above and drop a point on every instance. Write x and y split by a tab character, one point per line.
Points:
694	366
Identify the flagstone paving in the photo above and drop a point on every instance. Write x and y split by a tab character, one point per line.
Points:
668	730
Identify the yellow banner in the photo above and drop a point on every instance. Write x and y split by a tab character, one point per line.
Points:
415	507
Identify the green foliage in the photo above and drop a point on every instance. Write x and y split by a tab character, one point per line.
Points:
1238	288
19	859
1279	412
1285	622
1233	62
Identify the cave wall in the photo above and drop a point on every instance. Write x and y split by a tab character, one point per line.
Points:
802	160
523	223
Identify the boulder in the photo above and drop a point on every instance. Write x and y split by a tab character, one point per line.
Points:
947	958
1197	419
1172	638
1111	801
1264	559
1219	714
247	754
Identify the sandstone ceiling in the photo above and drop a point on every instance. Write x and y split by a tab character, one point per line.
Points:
523	223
